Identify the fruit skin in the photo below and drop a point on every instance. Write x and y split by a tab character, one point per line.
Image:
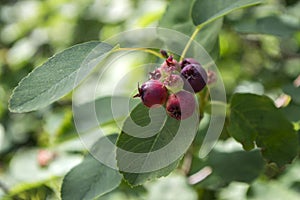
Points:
174	83
181	105
170	65
195	75
188	61
153	93
156	74
211	77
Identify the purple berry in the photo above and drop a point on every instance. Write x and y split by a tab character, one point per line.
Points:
195	75
181	105
188	61
153	93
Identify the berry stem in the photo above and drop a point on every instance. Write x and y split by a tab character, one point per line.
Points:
141	49
187	46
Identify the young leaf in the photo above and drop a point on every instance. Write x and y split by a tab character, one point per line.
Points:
90	179
255	119
57	77
145	158
206	11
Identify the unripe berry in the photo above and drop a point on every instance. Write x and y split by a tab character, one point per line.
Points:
44	157
195	75
174	83
170	65
211	77
156	74
181	105
153	93
188	61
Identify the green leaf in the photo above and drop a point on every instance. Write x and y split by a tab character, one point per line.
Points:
271	25
206	11
90	179
292	112
177	17
255	120
264	189
57	77
177	12
176	187
293	91
26	160
145	156
104	114
135	179
227	167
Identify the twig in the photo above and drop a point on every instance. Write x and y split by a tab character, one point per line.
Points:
187	46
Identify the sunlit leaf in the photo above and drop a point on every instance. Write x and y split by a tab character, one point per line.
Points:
57	77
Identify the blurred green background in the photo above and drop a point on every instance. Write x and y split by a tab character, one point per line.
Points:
257	56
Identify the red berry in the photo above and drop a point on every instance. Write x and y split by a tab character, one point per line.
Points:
195	75
181	105
188	61
153	93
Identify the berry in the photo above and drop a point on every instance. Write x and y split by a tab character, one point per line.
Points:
188	61
195	75
152	93
174	83
156	74
211	77
170	65
44	157
181	105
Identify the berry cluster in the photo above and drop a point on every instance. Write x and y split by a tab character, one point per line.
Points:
173	85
